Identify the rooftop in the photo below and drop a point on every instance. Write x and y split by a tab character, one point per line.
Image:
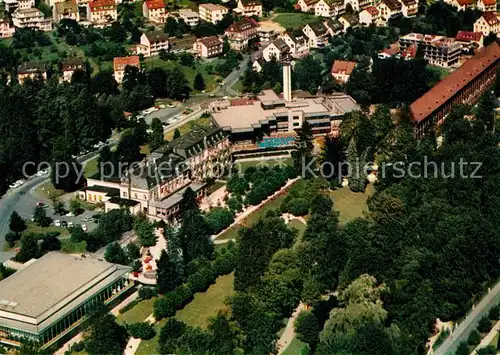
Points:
156	36
372	10
251	2
73	63
51	286
213	7
467	36
65	7
244	117
101	4
155	4
318	28
176	197
119	63
393	5
343	67
211	41
243	25
491	18
31	67
453	83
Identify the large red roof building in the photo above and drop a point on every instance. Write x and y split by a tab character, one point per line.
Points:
464	86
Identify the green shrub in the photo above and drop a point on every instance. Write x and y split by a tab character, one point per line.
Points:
494	313
147	293
488	350
164	307
298	206
474	338
128	307
143	330
484	325
77	347
463	348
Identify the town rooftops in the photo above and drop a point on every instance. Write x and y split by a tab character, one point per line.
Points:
51	287
490	2
333	3
31	67
334	25
296	39
119	63
318	28
243	25
465	2
351	19
211	41
251	2
213	7
71	64
156	36
196	140
453	83
310	2
65	7
343	67
491	18
281	45
468	36
393	5
409	2
101	5
393	49
155	4
372	10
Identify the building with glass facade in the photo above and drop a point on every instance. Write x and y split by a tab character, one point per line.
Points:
53	295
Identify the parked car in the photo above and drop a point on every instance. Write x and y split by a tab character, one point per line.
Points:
70	214
64	224
70	225
84	227
13	185
57	223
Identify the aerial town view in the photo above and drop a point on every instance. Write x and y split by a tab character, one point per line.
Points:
233	177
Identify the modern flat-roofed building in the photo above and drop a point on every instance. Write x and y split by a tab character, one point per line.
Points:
443	53
31	18
464	86
212	13
189	16
51	296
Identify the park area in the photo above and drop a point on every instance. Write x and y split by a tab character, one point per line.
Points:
294	20
197	313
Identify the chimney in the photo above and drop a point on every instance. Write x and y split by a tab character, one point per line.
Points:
287	79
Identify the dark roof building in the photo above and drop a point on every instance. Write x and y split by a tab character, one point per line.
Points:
156	36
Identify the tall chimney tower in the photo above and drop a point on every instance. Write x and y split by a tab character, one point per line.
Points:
287	79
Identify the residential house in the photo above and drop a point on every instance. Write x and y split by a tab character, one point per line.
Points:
154	11
470	41
396	51
208	47
275	50
190	17
317	33
11	5
65	10
258	64
443	53
389	9
488	23
329	8
306	5
359	5
102	12
266	35
298	45
418	39
334	27
152	42
487	5
241	32
120	63
249	8
369	15
349	21
69	66
31	70
212	13
461	5
6	29
31	18
342	70
409	8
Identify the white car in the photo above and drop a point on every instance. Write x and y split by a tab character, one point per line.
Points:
19	182
57	223
84	227
13	185
70	225
70	214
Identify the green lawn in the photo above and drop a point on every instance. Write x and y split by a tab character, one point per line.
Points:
295	347
299	225
204	305
202	121
47	190
350	204
254	217
294	20
34	228
91	167
270	163
70	247
190	73
138	313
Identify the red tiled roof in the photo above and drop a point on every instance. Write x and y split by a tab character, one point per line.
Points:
343	67
410	52
243	25
119	63
211	41
465	2
297	6
467	36
372	10
491	18
490	2
241	102
155	4
98	4
453	83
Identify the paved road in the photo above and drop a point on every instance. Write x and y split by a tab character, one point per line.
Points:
463	330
